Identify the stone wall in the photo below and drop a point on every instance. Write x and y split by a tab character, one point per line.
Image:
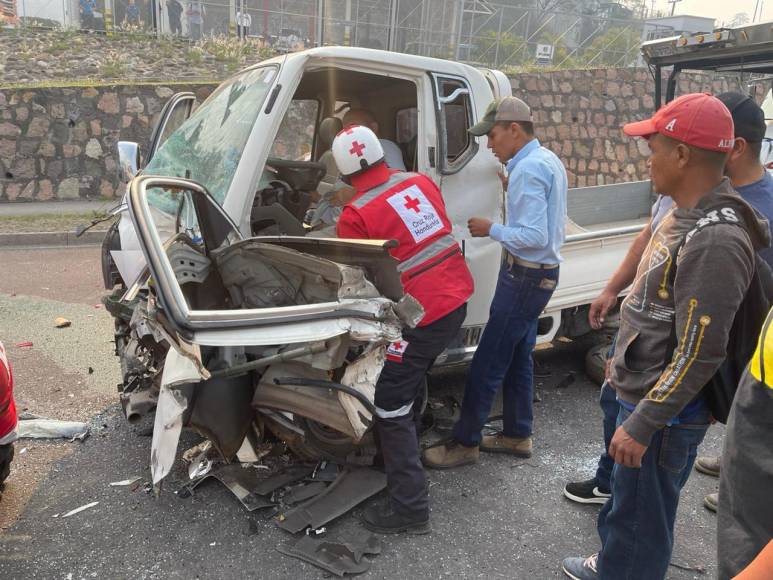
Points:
579	114
61	142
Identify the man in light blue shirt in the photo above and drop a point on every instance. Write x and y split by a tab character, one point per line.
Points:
531	239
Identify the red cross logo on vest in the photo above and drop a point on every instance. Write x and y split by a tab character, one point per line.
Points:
412	203
357	149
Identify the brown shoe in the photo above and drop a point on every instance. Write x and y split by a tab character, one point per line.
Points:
450	455
708	465
518	446
711	502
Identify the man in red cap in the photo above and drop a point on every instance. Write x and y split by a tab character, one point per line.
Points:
674	327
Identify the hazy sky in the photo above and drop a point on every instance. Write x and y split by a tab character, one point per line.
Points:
721	10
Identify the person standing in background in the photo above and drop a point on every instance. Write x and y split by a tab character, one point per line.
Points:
86	9
195	13
132	15
175	10
243	24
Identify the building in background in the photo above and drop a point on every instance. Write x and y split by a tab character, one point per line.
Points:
666	26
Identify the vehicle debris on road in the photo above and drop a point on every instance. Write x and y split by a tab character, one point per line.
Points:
52	429
339	557
80	509
125	482
241	482
352	487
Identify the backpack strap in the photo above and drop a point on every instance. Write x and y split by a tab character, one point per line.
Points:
720	215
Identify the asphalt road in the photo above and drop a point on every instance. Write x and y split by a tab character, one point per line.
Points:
501	518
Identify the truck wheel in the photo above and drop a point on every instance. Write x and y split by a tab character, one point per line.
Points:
328	443
320	442
596	363
6	456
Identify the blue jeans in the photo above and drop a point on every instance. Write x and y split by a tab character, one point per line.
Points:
504	355
610	407
636	525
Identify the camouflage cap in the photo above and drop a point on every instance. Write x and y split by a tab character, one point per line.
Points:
513	109
487	122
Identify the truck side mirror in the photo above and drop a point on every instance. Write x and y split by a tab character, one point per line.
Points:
128	160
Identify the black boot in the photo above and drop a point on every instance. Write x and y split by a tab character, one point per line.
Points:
382	519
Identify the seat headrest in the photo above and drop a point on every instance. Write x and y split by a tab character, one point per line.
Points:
328	129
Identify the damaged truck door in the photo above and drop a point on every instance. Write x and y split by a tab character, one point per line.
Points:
266	329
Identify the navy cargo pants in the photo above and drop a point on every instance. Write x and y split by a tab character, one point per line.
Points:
398	400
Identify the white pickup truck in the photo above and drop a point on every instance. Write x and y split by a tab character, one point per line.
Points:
224	192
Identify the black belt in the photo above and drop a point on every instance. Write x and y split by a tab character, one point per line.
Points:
510	259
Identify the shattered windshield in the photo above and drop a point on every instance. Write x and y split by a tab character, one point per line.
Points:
208	146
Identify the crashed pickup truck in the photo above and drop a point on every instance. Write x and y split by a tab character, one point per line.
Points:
233	315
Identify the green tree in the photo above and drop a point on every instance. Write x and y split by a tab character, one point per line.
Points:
512	49
617	46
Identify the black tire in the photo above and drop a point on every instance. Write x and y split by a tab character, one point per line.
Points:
6	456
320	442
596	363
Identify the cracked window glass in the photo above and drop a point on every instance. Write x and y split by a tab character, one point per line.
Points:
208	146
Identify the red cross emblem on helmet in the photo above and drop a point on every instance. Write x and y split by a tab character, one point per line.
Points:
355	149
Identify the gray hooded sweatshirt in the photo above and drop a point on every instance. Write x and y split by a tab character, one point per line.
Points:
692	307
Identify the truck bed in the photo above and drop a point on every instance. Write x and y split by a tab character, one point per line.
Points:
604	220
600	207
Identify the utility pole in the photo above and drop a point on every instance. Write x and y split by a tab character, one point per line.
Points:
393	12
673	5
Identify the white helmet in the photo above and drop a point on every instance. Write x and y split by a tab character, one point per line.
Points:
355	149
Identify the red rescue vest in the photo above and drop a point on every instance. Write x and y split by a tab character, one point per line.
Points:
7	407
409	208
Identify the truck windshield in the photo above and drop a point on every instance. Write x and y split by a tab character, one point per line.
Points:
208	146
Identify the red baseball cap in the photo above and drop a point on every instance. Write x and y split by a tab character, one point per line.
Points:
697	119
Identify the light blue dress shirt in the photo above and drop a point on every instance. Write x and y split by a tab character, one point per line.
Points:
536	206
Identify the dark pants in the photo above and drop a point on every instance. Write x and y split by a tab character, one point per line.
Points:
398	398
174	24
610	408
636	525
504	355
745	518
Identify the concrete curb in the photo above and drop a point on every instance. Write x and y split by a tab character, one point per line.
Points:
90	238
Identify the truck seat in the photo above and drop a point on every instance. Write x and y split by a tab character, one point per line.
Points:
328	129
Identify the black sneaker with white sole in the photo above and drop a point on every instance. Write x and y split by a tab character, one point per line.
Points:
586	492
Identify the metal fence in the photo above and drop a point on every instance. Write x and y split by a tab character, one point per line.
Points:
475	31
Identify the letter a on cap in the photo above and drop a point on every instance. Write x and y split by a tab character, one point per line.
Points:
671	125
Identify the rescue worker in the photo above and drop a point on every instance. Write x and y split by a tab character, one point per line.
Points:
408	208
7	418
